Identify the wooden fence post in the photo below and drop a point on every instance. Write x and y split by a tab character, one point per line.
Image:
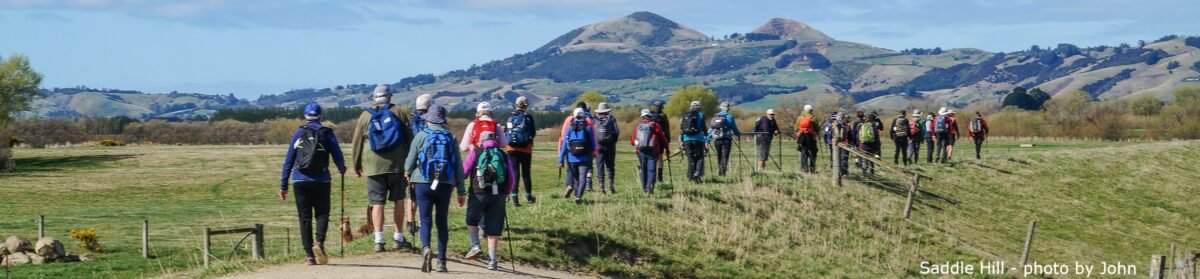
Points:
145	238
1156	266
1189	264
258	242
837	165
41	226
912	194
1028	243
206	246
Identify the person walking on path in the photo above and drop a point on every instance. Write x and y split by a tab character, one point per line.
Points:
383	129
307	165
930	133
827	134
916	136
432	165
978	132
841	135
693	141
941	128
765	129
953	119
868	141
607	135
650	142
658	116
578	149
722	132
580	109
899	133
483	123
806	140
521	131
420	107
494	179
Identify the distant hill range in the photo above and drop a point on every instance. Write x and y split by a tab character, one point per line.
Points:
639	57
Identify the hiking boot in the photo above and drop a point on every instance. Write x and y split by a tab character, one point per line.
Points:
473	253
401	245
578	200
426	259
320	253
310	261
442	266
530	198
567	193
379	247
492	264
516	200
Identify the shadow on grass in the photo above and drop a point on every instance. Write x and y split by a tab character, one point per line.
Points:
56	164
583	248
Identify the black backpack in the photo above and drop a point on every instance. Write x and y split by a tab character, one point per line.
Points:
606	129
311	156
691	123
579	142
520	130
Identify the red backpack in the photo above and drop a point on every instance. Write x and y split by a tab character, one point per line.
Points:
481	126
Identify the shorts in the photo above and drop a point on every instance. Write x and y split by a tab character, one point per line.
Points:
386	187
488	207
763	149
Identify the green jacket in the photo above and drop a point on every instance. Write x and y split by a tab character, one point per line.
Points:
371	163
411	164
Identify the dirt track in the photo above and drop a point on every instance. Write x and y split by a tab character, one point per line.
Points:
399	265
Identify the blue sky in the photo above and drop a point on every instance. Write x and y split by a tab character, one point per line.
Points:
254	47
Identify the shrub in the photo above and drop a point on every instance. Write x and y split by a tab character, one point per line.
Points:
88	240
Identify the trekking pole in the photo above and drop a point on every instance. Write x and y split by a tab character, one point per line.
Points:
512	256
670	174
777	164
342	218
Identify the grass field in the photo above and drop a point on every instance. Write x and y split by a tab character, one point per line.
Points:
1094	201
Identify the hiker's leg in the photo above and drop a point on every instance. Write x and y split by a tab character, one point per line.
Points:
903	143
425	202
929	150
377	194
397	192
321	206
494	212
581	171
524	161
304	206
611	164
914	149
659	167
978	145
475	209
723	148
950	147
442	202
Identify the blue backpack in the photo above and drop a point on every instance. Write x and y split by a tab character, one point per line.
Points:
519	130
435	157
418	124
384	131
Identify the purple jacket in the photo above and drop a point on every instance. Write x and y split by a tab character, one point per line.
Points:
469	164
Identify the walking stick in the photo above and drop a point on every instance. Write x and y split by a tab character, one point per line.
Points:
777	164
512	256
342	217
671	174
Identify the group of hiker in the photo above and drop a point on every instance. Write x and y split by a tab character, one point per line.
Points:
414	163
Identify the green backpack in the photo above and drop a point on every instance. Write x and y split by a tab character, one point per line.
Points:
866	132
490	170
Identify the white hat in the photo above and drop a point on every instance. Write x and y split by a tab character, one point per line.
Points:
942	111
917	112
950	112
807	108
645	112
695	103
381	91
771	111
603	108
578	112
725	106
483	106
424	101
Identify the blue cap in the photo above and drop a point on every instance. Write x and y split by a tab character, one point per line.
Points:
312	110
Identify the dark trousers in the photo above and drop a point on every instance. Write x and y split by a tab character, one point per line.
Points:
606	163
929	147
695	154
978	145
808	153
647	164
312	200
580	171
914	149
901	150
723	148
943	140
521	169
431	200
844	158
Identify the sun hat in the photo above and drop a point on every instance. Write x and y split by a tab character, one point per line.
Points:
603	108
770	111
435	115
424	101
645	112
483	106
522	102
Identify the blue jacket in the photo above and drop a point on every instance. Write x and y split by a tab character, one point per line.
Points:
702	136
732	127
572	158
331	144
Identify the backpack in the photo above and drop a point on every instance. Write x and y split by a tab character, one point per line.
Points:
578	140
942	125
490	170
866	133
691	123
384	130
435	157
418	124
520	132
900	127
720	126
311	156
914	127
481	126
606	128
646	142
805	125
976	125
827	131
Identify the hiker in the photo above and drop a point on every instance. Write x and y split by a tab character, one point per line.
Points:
431	165
483	123
859	118
651	142
953	122
806	140
607	135
580	109
827	134
916	135
868	141
941	129
578	148
693	141
307	164
521	132
494	179
930	133
899	133
420	107
383	128
765	129
841	133
658	116
978	132
722	131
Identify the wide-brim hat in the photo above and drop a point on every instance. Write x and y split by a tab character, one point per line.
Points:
603	108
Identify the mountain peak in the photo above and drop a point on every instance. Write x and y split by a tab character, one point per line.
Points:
639	29
787	28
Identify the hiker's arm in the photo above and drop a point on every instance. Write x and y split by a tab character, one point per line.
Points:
406	122
501	135
287	162
410	162
335	150
357	144
465	143
470	161
511	175
458	178
562	152
733	121
532	127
